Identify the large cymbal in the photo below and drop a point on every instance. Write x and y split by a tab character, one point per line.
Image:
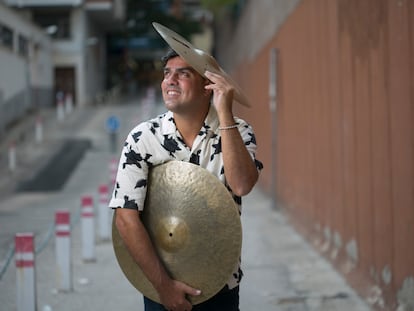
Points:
194	225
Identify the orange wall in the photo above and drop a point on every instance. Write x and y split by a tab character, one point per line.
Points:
345	134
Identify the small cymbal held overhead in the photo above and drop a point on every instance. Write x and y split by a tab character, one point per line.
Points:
198	59
194	225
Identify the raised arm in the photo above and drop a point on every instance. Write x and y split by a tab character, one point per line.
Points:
239	167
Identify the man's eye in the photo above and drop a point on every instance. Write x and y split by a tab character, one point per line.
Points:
184	74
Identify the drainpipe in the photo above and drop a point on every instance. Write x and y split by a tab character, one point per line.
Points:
273	112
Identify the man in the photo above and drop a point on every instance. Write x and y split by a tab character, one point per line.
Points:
193	130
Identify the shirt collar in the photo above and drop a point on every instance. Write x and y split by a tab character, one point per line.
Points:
211	122
168	124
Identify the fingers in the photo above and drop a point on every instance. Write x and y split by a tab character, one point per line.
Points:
212	75
191	291
219	81
179	305
215	78
175	297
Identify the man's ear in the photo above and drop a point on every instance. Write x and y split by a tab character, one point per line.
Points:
207	92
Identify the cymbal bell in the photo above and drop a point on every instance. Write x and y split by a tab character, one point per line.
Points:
194	225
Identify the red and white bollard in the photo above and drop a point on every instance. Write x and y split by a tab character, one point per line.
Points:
25	272
39	130
63	251
103	212
12	157
88	229
113	169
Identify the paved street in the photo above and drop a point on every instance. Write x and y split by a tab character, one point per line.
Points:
282	272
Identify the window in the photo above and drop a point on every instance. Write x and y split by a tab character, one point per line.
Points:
23	46
6	36
56	23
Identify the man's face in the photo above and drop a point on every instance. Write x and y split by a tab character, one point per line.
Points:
182	87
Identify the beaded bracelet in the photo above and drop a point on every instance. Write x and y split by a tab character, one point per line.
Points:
228	127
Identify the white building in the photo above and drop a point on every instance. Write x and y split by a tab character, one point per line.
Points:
26	69
78	29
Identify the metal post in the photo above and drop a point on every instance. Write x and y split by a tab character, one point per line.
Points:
103	213
12	157
60	109
113	168
88	229
63	253
68	103
39	130
273	111
25	272
112	125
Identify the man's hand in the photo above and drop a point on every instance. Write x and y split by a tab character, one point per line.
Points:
239	168
173	295
132	231
223	92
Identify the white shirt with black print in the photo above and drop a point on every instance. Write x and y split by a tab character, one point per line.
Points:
158	141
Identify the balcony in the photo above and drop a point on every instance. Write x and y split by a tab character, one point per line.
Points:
108	14
42	3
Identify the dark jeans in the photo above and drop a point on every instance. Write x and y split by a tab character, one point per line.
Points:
225	300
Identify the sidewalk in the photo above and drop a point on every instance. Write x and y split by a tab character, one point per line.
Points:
282	272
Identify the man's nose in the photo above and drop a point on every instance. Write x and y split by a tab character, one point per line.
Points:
172	78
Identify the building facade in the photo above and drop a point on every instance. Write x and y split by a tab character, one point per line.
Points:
331	85
26	75
78	30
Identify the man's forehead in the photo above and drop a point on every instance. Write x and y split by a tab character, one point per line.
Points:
177	62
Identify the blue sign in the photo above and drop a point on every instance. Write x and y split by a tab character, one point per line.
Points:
112	124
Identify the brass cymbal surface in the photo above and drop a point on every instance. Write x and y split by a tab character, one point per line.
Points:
194	225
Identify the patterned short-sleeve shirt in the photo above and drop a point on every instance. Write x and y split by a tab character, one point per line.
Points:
158	141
